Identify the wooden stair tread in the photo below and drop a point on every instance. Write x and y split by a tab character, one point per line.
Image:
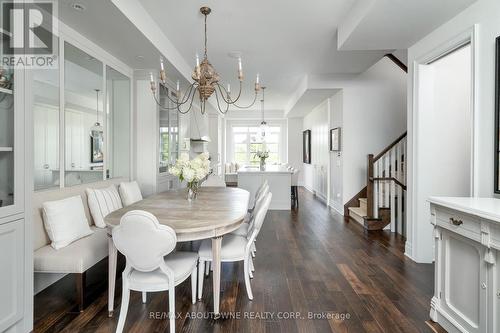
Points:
364	200
358	210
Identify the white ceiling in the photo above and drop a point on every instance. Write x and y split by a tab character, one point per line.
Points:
394	24
284	41
279	39
105	25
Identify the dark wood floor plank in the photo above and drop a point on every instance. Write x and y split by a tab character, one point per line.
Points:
310	262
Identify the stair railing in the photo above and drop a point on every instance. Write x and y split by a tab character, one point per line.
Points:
386	183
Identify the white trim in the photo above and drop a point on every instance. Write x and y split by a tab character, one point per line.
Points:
470	35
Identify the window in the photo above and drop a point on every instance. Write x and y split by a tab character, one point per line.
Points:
247	141
169	133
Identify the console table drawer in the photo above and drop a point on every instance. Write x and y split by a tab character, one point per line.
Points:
463	224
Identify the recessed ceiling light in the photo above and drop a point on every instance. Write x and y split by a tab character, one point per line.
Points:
235	54
78	7
139	58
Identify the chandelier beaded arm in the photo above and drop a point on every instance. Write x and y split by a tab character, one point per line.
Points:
205	82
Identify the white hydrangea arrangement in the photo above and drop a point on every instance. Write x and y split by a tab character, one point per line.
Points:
192	171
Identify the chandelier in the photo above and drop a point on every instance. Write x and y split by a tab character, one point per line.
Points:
205	82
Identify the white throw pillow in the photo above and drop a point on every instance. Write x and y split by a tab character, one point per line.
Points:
65	221
103	202
130	193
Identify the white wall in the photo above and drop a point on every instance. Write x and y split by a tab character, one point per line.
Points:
336	159
373	117
370	109
295	146
484	13
316	173
146	147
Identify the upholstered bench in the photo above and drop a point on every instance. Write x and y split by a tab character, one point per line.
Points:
77	257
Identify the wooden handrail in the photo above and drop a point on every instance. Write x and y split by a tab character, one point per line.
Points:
398	62
381	179
389	147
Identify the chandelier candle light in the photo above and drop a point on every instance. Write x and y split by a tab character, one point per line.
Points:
206	83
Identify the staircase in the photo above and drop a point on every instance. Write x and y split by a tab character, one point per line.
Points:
382	202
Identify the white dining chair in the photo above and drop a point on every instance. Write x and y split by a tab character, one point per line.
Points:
145	244
258	193
235	248
243	229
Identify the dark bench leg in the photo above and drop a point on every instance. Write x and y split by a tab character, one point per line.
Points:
80	289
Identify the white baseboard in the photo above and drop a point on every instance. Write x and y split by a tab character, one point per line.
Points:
337	209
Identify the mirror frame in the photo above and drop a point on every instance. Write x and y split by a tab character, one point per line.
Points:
497	114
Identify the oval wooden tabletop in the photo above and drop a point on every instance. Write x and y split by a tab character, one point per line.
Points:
216	211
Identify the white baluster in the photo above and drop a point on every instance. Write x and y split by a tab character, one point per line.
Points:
399	213
375	191
387	185
398	193
393	189
403	168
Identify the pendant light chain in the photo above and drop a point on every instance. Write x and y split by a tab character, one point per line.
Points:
206	36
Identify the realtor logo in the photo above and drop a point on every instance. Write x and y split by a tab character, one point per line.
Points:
27	34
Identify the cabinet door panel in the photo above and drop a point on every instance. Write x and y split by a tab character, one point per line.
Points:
11	279
463	275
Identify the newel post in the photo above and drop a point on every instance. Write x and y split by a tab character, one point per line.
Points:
369	186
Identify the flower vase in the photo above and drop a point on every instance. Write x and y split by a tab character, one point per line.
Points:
262	164
192	193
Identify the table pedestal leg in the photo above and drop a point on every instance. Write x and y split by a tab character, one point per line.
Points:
112	254
216	248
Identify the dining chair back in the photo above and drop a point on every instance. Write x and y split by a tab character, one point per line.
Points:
143	240
145	243
259	217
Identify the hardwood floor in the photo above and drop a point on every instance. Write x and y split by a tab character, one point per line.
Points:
310	262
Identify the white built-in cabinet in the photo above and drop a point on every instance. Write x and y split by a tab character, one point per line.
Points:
11	279
467	272
15	241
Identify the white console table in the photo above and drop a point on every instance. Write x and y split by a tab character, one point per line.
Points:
467	272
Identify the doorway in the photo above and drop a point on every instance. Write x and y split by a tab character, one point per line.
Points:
443	153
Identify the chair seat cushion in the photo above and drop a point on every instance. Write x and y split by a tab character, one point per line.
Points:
232	249
182	263
242	230
74	258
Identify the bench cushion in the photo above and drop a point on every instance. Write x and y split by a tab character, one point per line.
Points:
130	193
102	202
65	221
74	258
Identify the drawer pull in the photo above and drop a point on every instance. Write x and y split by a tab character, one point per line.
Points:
455	221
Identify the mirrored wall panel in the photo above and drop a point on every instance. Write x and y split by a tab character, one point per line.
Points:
83	116
118	124
169	131
46	128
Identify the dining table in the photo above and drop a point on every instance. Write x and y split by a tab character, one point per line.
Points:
215	212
